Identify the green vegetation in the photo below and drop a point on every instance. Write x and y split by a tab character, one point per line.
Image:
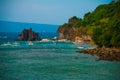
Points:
103	24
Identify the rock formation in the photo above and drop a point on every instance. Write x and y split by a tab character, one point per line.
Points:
29	35
66	33
110	54
70	32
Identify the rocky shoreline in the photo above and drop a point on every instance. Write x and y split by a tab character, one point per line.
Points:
109	54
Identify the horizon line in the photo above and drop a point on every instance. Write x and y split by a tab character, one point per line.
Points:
31	22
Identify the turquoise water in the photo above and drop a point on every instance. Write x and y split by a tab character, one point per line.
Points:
53	61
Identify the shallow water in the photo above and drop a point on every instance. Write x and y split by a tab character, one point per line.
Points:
53	61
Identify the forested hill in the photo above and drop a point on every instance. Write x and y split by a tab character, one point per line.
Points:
102	25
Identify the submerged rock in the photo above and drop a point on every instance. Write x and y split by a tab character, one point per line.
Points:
29	35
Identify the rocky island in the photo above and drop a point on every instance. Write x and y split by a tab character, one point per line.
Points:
100	27
28	35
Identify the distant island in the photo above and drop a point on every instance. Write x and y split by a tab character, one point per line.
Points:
100	27
28	35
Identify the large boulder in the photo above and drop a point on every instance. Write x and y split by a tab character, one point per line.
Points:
29	35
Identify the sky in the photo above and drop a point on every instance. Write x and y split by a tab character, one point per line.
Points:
46	11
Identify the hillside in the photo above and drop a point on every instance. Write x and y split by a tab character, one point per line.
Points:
102	26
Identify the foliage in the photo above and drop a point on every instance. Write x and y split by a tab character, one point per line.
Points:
74	17
103	24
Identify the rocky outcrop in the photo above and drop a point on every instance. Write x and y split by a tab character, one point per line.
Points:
110	54
70	32
73	20
65	32
29	35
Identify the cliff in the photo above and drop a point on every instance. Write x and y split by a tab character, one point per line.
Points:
71	32
102	27
29	35
95	27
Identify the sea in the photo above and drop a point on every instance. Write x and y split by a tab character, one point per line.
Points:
51	60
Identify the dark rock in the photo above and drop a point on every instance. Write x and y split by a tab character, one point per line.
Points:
28	35
110	54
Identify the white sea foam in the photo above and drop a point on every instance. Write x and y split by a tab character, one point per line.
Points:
15	44
55	38
80	47
45	40
62	40
30	43
6	44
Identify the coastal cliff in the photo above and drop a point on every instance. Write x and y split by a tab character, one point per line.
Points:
28	35
95	27
72	32
100	27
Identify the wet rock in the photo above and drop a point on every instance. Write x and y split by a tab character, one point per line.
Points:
110	54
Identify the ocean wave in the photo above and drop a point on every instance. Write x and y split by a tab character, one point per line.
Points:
6	44
30	43
45	40
10	44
